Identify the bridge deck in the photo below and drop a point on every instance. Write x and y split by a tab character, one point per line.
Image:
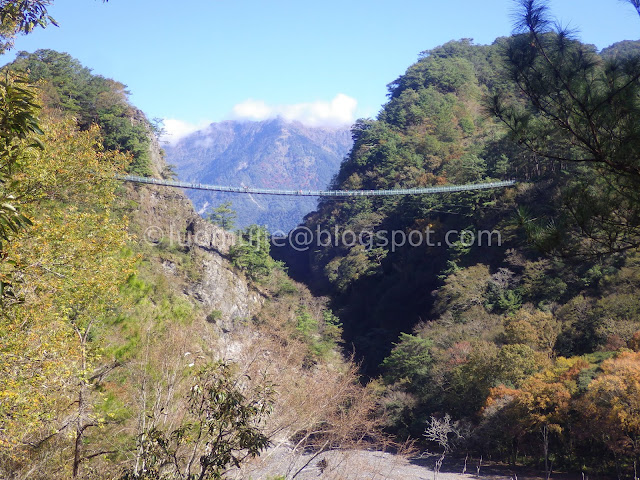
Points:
318	193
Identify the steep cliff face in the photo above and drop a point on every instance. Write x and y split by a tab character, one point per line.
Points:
257	326
165	220
270	154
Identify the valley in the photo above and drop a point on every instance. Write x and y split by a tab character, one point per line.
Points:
150	332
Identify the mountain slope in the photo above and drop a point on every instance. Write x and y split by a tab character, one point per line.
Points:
270	154
121	297
511	344
432	131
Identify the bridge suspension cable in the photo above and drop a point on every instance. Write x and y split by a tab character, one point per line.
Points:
318	193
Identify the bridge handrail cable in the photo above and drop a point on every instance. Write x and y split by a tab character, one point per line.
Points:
317	193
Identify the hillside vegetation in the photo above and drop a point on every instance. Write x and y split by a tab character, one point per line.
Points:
141	341
69	88
137	339
106	335
526	351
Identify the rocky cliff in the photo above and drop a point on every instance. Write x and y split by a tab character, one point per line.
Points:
255	325
166	221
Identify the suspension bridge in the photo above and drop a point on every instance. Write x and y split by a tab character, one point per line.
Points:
318	193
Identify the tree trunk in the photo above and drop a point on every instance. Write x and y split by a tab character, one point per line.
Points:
438	466
80	421
77	458
545	448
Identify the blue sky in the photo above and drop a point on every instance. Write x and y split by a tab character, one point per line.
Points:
193	62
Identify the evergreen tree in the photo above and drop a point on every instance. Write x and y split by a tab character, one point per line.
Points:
223	215
580	111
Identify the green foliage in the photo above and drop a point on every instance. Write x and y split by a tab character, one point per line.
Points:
21	17
121	131
463	289
467	169
19	131
332	327
581	111
73	89
410	359
321	336
112	407
306	325
471	369
222	215
580	327
509	301
221	429
285	287
515	363
70	266
623	49
359	262
495	337
431	132
489	325
252	253
540	280
136	288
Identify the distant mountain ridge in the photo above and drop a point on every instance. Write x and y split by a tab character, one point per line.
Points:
272	153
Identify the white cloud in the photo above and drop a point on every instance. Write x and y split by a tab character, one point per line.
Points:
339	111
336	112
252	110
175	129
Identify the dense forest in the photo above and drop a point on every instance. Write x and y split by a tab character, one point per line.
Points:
69	88
528	350
124	355
188	353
